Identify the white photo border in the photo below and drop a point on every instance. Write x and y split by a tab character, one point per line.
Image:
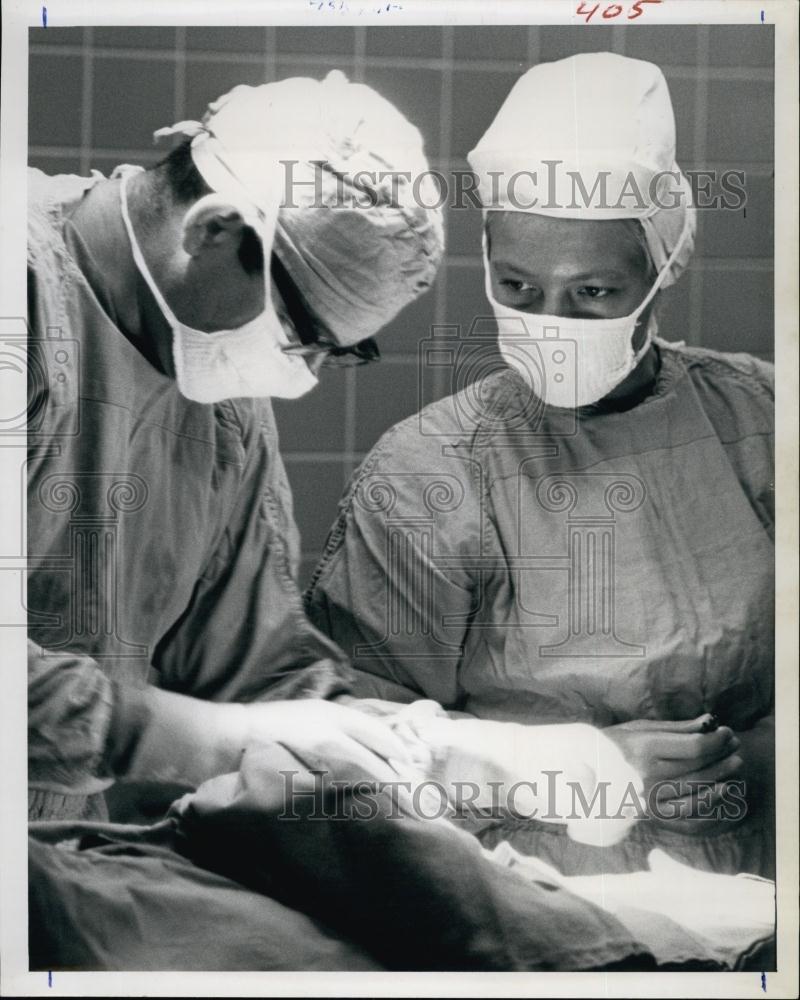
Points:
18	17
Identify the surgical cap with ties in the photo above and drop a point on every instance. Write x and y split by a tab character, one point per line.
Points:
358	239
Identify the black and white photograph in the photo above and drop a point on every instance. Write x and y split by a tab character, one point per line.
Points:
394	522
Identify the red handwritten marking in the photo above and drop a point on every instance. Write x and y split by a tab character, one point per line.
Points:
637	7
612	10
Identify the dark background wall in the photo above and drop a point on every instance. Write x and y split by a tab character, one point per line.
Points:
97	94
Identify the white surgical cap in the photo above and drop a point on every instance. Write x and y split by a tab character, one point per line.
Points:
598	132
357	247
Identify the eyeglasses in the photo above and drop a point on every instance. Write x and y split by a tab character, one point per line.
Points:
308	328
336	356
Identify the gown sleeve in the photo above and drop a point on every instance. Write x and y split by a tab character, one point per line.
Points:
244	635
390	590
69	712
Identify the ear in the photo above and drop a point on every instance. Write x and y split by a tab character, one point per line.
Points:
211	223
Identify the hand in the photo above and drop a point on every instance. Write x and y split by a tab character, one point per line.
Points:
353	745
743	784
669	755
169	737
323	736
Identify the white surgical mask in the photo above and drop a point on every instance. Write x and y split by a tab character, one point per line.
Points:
227	364
572	362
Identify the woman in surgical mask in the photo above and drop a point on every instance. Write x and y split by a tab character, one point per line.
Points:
583	533
592	283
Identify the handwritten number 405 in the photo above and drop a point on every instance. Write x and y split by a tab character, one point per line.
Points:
613	10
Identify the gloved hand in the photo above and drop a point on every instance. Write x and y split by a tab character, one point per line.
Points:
162	736
321	733
671	755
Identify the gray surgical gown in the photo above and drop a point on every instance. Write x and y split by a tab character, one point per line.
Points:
522	563
161	539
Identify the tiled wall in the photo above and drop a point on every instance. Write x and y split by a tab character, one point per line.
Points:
97	95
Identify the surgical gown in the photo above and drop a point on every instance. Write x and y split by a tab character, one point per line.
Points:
518	562
161	539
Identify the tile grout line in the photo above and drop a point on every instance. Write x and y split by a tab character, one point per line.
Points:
686	71
696	283
179	102
349	460
534	45
87	100
270	53
756	168
445	128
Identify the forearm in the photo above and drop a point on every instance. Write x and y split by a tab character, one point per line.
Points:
84	729
156	735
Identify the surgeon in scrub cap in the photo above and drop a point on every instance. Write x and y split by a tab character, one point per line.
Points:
189	295
578	142
595	510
